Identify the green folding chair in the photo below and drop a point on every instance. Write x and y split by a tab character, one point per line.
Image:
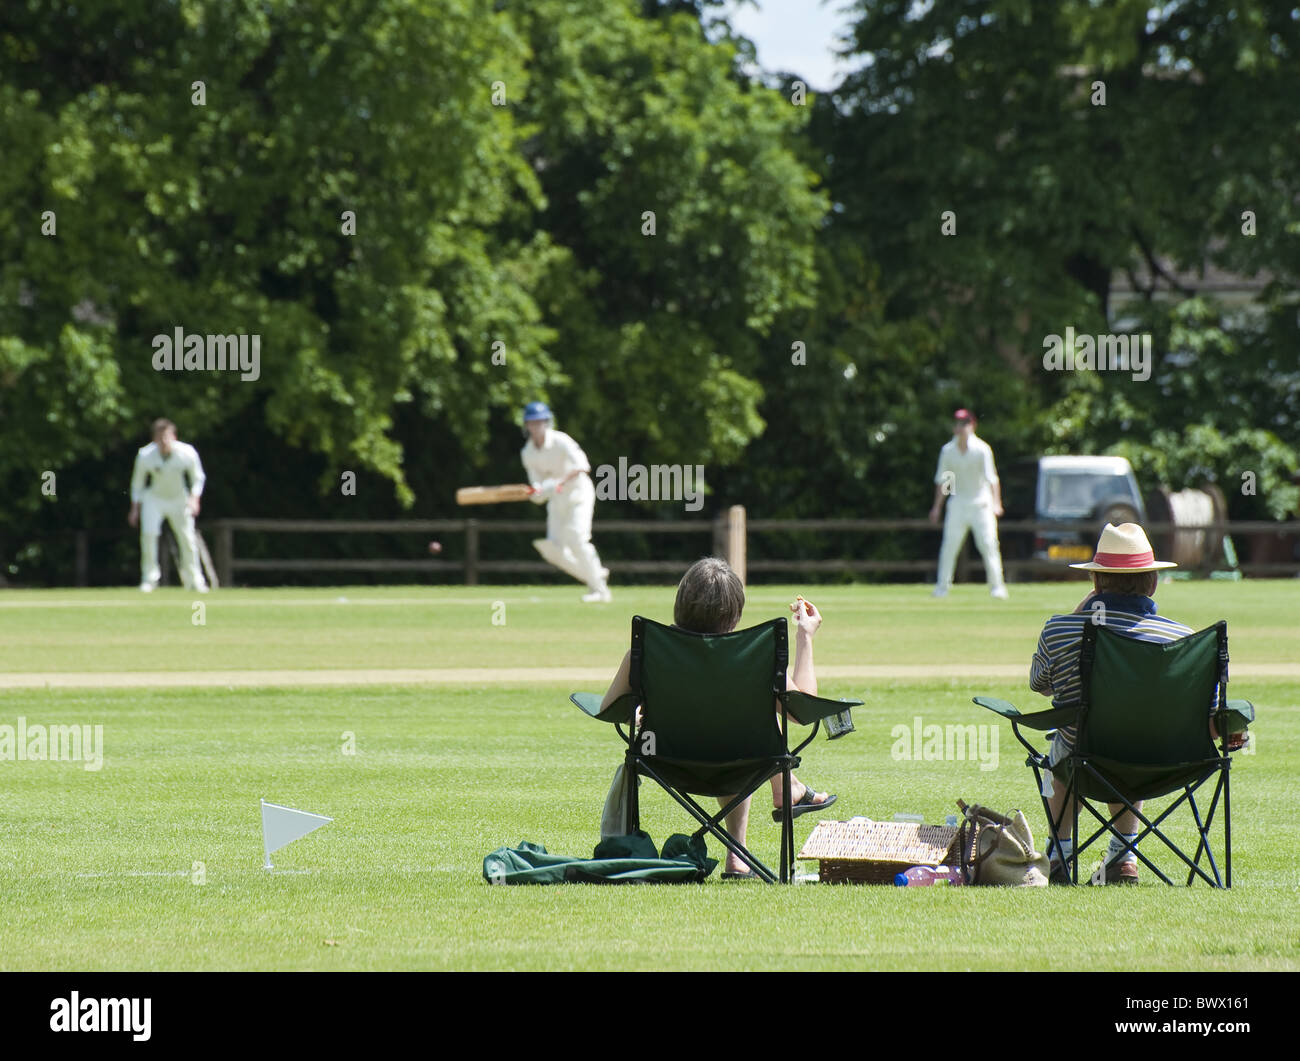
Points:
1142	733
709	722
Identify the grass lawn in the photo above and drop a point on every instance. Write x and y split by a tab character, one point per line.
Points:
100	869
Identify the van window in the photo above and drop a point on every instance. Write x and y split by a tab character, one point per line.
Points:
1076	495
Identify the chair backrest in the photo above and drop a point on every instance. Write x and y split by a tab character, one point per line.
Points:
710	697
1146	702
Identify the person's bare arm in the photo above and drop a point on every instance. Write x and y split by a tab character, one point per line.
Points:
997	498
803	678
622	683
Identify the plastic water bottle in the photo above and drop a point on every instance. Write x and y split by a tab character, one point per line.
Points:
929	875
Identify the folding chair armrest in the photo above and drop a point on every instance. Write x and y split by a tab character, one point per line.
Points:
1052	718
619	711
1005	708
1238	715
806	709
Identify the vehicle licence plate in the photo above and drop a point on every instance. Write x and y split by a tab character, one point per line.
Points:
1069	552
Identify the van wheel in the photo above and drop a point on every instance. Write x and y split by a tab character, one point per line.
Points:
1117	513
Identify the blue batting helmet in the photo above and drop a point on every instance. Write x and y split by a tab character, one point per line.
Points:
537	411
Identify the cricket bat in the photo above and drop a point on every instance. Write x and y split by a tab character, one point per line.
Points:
492	495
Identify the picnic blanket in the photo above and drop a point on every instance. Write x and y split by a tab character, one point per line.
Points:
631	859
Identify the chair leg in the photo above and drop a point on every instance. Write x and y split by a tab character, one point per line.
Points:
1072	796
1203	831
787	827
1227	822
1053	824
1152	827
712	824
633	799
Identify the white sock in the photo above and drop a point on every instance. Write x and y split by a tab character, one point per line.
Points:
1113	854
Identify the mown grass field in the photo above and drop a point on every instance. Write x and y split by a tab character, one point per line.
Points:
100	869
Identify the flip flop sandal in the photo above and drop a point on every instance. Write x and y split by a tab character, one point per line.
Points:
803	806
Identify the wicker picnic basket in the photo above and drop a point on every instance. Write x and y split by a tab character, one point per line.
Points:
868	852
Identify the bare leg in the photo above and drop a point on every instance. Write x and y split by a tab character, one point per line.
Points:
797	787
737	822
1063	813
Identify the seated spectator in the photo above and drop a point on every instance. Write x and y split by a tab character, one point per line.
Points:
710	599
1124	580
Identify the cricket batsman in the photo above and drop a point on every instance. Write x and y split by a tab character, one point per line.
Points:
560	475
167	482
967	480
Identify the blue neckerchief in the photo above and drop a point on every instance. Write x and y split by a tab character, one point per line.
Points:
1123	602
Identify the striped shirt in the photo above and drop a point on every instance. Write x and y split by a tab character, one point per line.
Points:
1054	670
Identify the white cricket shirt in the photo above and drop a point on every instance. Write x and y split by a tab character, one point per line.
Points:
167	475
973	473
554	459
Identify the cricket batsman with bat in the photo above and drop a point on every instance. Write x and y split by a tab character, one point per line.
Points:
167	482
560	476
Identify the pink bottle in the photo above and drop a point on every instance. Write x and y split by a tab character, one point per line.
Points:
929	875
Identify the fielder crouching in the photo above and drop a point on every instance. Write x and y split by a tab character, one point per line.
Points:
560	475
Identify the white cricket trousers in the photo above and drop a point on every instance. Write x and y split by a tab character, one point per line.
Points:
177	513
567	544
977	518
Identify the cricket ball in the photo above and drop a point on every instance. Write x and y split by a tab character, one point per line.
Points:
435	548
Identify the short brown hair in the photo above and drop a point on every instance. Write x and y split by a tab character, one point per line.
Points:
160	425
710	598
1129	584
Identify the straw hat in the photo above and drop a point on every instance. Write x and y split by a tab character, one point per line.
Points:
1124	550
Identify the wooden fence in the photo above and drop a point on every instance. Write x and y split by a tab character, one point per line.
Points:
729	535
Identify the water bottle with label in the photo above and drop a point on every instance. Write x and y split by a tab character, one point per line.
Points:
929	875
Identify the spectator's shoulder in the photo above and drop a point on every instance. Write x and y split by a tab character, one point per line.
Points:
1068	622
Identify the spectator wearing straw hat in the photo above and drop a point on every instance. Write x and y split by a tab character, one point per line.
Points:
1124	581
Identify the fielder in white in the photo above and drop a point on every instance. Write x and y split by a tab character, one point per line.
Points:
968	481
560	475
167	482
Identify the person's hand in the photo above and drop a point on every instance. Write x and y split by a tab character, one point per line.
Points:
806	616
194	505
997	510
133	516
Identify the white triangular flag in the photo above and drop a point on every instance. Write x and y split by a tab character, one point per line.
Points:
283	825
